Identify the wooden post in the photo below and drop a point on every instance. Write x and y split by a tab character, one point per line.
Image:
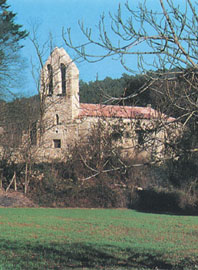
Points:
26	178
15	183
12	180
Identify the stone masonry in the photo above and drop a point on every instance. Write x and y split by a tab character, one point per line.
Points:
65	120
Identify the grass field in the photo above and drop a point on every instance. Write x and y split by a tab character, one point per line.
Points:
96	239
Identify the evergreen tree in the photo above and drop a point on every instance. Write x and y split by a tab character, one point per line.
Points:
10	37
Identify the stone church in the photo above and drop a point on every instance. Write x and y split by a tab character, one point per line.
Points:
64	119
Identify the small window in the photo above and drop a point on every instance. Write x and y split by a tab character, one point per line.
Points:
63	78
140	134
50	79
57	143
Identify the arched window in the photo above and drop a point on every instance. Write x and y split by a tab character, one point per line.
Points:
57	119
63	78
50	79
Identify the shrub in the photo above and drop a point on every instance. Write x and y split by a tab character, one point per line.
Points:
167	200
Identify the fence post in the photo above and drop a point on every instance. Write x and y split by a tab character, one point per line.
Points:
12	181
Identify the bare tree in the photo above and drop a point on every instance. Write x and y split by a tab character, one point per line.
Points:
169	35
164	40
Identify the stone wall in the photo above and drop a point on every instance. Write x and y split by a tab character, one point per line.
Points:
64	120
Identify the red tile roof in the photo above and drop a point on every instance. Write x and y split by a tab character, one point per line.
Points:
97	110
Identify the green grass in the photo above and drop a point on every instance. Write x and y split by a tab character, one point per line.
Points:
96	239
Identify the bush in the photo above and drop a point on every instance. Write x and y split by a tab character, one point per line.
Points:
56	191
165	200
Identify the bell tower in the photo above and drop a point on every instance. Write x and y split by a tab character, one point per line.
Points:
59	94
60	83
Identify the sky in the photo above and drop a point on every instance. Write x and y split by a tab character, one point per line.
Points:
51	16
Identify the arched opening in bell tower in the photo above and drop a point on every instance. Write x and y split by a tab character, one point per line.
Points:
63	78
50	79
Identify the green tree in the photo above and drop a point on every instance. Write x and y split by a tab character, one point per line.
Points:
102	91
10	37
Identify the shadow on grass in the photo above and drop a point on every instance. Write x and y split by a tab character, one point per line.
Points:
165	202
77	256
